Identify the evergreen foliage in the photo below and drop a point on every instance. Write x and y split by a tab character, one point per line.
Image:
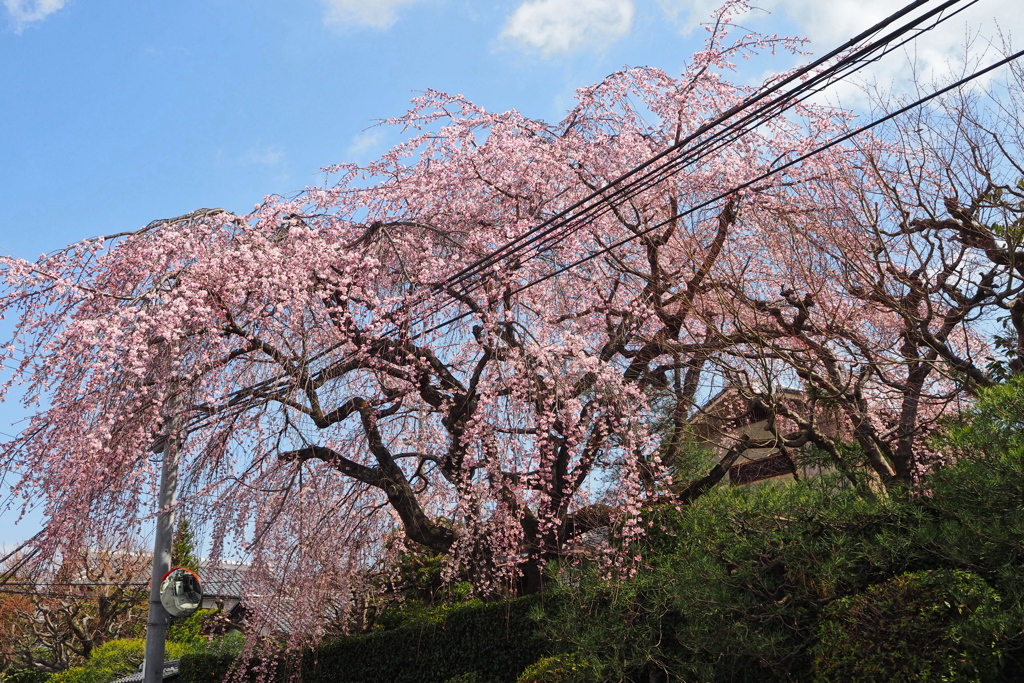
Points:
189	631
183	549
24	676
113	660
748	583
493	642
925	626
560	668
810	581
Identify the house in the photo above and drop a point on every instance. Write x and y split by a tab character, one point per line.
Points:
732	415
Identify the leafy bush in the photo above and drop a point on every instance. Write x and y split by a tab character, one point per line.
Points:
922	626
113	660
735	592
24	676
418	613
415	592
188	631
563	668
736	595
734	588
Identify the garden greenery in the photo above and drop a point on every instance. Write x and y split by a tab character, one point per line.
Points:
808	581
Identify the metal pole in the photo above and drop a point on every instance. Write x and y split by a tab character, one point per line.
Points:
156	626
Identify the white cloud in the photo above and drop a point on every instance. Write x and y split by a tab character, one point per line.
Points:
265	156
828	24
563	26
936	55
699	11
364	142
375	13
25	12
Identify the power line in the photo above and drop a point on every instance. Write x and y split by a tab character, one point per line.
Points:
11	571
54	594
86	584
134	590
804	157
719	197
649	173
768	103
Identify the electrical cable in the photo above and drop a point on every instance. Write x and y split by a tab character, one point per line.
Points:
674	159
767	174
851	62
745	185
11	571
767	111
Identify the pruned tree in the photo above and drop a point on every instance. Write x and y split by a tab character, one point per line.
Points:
902	294
55	615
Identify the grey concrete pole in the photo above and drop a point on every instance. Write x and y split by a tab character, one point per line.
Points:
156	626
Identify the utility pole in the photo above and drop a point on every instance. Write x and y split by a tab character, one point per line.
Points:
156	625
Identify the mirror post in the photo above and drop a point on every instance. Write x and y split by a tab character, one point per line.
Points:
156	625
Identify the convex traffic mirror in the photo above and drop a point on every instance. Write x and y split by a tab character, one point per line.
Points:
181	592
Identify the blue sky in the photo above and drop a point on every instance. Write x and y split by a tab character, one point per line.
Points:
116	113
119	112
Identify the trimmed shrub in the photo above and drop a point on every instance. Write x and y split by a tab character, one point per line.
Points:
204	667
493	642
922	626
113	660
24	676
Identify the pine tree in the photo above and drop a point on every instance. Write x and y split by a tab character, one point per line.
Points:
183	551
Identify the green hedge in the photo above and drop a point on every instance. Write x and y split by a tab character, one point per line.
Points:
204	668
923	626
754	583
112	660
492	643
